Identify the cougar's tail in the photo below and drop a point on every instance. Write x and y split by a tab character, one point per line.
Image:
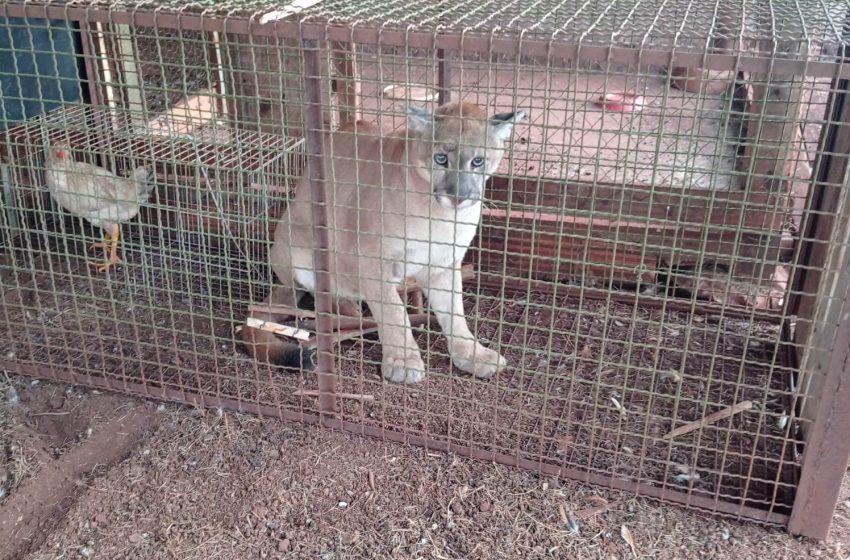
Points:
265	347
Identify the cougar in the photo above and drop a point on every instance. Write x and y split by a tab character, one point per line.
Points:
402	205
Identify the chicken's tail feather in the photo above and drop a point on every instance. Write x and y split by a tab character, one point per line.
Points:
144	183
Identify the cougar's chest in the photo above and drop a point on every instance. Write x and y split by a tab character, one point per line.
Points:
439	241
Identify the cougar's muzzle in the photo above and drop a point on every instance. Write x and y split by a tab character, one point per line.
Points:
461	189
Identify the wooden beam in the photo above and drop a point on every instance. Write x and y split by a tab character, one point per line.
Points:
186	116
677	204
348	81
773	126
570	230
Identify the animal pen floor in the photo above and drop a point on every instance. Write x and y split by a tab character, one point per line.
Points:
196	485
595	396
591	385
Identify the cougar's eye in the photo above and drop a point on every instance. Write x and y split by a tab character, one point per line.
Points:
441	159
477	161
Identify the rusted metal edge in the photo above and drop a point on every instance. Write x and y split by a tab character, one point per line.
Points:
197	399
162	393
828	449
640	489
494	281
314	133
461	42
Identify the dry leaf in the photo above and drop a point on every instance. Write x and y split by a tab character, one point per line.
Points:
572	524
626	533
586	352
564	444
618	406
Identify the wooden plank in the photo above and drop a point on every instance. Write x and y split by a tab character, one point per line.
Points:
347	84
184	117
264	76
773	125
638	201
128	73
625	245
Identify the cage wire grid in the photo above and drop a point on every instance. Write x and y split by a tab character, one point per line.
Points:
667	285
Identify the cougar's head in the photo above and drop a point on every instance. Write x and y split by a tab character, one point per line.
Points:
461	148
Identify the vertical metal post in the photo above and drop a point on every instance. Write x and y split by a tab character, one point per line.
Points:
444	78
821	299
314	136
827	446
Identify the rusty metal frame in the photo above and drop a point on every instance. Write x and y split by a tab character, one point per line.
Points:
315	135
823	450
828	447
449	41
826	374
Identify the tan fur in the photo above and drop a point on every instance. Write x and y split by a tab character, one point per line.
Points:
395	213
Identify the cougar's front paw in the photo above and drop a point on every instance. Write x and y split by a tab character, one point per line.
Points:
404	367
481	362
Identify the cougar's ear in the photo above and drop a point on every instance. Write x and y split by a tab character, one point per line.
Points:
419	120
503	123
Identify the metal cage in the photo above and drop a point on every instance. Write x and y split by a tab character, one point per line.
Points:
662	254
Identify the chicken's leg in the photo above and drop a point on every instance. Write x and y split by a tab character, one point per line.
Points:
102	245
112	258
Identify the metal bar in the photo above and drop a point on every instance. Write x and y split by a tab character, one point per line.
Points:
457	42
828	447
148	391
830	170
444	78
315	136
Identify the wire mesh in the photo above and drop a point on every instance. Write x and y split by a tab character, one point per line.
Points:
643	258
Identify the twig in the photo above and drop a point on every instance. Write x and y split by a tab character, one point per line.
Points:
590	512
710	419
352	396
277	328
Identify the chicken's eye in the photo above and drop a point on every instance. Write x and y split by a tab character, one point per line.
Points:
441	159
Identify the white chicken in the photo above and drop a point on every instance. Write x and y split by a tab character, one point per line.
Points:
96	195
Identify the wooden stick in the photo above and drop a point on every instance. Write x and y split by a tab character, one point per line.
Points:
277	328
352	396
710	419
591	511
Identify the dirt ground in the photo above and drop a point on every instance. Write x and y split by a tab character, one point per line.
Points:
208	484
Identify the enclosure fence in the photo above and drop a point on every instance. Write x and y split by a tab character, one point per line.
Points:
641	207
